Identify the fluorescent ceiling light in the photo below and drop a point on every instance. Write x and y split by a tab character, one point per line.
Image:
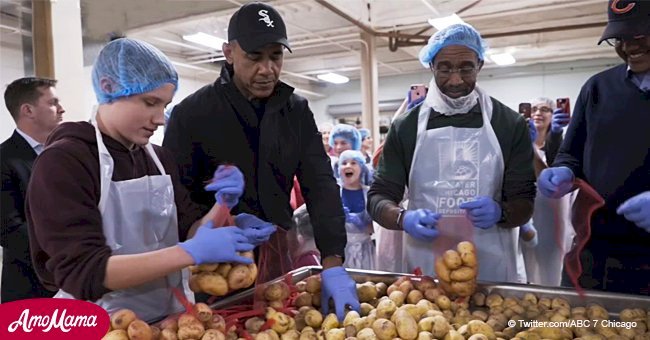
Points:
444	22
333	78
205	40
503	59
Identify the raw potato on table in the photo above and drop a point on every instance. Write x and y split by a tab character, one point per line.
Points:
220	279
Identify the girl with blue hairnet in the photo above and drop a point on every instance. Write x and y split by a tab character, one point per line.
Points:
467	161
360	250
346	137
106	209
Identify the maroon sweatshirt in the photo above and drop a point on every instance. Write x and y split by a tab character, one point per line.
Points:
67	243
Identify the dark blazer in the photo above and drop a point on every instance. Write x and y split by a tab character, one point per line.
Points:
19	281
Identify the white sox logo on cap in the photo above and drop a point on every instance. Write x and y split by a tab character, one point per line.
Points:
264	16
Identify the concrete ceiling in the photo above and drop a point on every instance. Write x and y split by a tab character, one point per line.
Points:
325	34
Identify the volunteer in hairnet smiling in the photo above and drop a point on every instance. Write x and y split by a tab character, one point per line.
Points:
105	208
467	160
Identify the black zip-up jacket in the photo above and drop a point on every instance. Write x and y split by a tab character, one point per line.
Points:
218	125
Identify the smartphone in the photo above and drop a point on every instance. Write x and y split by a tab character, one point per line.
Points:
564	104
417	92
525	109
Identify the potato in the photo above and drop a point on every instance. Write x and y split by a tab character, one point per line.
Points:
544	303
213	284
480	327
414	296
308	335
276	291
478	337
453	335
452	259
426	305
122	318
213	334
203	312
478	299
381	288
194	283
335	334
384	329
406	326
636	314
303	299
313	284
366	292
405	287
186	320
366	334
155	332
313	318
291	334
443	302
254	324
116	334
466	247
466	288
281	322
398	297
597	312
493	300
463	274
301	286
207	267
432	293
268	334
559	302
168	334
315	299
425	336
442	271
366	308
252	269
480	315
239	276
350	317
469	259
386	308
423	283
331	321
440	327
194	331
224	269
169	323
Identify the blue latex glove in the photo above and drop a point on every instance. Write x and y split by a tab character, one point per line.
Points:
532	130
555	182
559	121
421	224
411	104
257	231
217	245
484	212
528	228
228	182
637	210
359	220
338	285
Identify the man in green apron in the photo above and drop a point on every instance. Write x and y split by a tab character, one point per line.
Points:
467	161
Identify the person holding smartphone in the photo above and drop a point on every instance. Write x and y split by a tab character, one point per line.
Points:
607	145
457	138
543	256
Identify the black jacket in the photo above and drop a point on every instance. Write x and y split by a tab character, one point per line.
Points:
19	281
217	125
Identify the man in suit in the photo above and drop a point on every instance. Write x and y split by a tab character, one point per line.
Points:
36	109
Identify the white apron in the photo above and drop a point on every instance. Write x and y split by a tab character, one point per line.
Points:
359	250
138	216
454	165
552	219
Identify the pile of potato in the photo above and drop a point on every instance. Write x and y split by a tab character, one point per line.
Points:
200	325
219	279
457	270
415	308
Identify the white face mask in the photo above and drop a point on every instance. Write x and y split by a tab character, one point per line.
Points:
446	105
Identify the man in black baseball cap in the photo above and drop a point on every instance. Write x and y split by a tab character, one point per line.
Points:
255	25
610	126
250	119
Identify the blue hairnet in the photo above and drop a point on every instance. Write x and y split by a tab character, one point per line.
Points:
352	154
132	67
348	132
457	34
365	133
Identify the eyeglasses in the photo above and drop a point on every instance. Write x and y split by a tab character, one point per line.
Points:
542	109
617	41
464	72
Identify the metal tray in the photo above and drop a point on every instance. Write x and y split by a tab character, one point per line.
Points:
612	302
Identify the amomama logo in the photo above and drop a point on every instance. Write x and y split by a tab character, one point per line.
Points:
52	319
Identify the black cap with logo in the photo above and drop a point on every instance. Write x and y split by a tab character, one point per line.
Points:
255	25
627	19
